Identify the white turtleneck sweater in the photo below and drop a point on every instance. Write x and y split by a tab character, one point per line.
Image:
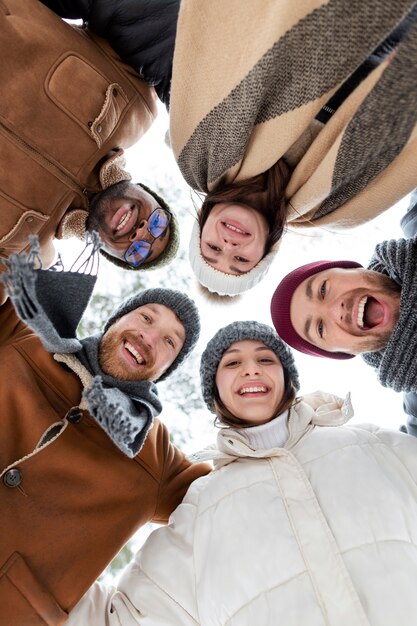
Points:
273	434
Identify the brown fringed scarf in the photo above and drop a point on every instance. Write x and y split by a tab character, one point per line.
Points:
250	77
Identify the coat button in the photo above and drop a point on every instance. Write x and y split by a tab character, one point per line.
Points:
29	219
74	415
13	477
99	128
90	124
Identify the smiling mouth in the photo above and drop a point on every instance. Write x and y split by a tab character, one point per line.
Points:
140	360
253	389
235	229
124	219
370	313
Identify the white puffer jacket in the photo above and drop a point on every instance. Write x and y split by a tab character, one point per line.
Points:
322	532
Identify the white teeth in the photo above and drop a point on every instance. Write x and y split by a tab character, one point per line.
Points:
361	309
124	219
134	352
252	390
230	227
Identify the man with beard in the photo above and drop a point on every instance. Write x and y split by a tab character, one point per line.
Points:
84	461
65	119
338	309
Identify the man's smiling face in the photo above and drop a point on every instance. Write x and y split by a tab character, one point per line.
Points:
346	310
120	216
142	344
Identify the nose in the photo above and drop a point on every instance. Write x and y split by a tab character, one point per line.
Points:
140	230
338	309
229	244
149	336
251	368
335	310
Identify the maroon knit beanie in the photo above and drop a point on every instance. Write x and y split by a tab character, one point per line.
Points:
281	303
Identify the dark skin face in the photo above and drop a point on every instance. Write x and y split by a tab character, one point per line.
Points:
120	216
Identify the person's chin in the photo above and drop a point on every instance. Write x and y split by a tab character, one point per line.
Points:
130	374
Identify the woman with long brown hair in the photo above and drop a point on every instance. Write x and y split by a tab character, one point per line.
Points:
308	100
237	231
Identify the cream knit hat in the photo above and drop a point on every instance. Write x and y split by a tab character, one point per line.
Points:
219	282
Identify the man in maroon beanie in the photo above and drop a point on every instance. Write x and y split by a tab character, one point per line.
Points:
338	309
335	309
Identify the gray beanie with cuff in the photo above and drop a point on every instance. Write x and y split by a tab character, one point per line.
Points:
179	303
241	331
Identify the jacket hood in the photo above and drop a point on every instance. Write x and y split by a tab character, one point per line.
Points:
315	409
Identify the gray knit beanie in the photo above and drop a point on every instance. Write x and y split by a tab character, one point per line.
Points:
241	331
178	302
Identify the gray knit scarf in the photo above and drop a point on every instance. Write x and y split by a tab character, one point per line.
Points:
52	303
396	364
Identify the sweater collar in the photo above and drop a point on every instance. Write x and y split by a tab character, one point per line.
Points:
272	434
315	409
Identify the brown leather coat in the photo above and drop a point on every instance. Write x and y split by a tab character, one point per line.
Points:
67	507
68	105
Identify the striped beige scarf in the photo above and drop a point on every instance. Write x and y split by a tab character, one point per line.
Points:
250	77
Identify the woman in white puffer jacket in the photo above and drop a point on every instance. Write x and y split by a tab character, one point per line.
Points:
303	522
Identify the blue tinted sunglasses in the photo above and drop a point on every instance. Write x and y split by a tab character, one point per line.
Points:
138	251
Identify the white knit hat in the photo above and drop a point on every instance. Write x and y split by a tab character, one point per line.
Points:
219	282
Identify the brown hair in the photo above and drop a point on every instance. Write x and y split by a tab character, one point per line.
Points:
264	192
225	417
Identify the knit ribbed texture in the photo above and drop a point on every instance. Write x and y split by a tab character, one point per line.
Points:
123	408
396	364
273	434
241	331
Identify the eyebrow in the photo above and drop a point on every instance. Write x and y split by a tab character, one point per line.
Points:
231	267
209	259
309	294
307	326
309	289
181	336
